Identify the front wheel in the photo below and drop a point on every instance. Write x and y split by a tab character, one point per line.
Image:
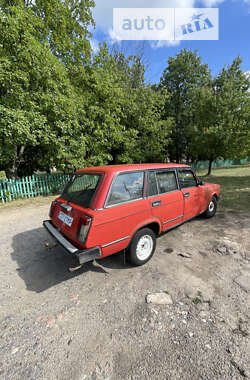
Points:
212	207
142	247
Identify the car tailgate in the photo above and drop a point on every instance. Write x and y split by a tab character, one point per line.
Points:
68	217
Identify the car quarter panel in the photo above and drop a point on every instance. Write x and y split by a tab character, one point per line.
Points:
114	227
210	190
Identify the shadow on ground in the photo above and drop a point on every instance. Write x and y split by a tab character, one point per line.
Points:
42	268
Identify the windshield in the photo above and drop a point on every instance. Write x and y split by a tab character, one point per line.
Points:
81	189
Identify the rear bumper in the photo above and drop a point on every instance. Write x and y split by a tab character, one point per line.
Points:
83	256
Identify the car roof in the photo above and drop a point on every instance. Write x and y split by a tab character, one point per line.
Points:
130	167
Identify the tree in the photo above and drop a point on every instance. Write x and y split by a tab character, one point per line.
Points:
120	111
60	106
38	104
184	73
63	24
222	117
153	133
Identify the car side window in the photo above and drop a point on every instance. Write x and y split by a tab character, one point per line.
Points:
152	184
166	181
186	179
126	187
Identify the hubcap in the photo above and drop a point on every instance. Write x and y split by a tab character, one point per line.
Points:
211	206
144	247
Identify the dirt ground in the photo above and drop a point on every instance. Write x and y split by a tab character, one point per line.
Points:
96	324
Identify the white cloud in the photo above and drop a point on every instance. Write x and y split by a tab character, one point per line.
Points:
162	44
94	45
211	3
247	74
113	38
248	3
103	11
103	14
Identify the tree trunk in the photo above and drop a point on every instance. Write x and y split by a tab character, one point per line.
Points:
210	167
11	171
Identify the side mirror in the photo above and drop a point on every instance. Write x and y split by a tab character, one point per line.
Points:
200	183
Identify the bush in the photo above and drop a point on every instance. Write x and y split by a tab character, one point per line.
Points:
2	174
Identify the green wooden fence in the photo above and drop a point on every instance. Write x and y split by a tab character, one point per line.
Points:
203	165
32	186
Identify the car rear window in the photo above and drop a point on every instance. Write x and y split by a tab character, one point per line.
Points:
81	189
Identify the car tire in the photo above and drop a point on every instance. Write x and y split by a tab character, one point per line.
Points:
142	247
212	207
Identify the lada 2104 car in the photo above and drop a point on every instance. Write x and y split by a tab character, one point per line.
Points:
104	210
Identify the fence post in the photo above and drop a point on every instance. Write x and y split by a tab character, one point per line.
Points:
2	192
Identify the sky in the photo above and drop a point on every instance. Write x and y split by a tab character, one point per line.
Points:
234	34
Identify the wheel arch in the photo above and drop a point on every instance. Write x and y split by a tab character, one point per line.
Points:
216	196
154	225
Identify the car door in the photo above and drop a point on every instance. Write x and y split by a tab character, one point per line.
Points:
165	198
125	208
191	193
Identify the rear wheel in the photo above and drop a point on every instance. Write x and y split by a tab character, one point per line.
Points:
142	247
212	207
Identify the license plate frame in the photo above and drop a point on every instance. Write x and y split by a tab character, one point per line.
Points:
66	219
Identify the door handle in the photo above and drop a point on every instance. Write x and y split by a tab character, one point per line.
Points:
186	195
156	203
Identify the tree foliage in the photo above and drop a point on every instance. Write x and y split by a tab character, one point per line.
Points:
211	114
38	104
61	106
221	116
183	75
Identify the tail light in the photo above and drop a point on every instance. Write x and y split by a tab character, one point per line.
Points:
85	224
52	209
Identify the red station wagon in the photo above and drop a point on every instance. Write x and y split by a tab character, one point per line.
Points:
104	210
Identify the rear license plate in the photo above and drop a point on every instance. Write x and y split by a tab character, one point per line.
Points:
65	218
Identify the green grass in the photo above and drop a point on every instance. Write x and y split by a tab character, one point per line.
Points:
235	186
